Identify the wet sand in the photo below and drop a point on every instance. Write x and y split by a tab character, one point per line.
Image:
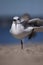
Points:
32	54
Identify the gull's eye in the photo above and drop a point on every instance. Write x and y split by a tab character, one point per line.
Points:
18	18
14	19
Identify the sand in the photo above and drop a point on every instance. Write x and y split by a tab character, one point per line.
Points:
13	55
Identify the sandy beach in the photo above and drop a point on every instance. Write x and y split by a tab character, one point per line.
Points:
32	54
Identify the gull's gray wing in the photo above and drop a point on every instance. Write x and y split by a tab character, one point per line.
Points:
38	29
36	22
33	20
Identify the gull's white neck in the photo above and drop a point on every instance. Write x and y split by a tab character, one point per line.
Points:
16	28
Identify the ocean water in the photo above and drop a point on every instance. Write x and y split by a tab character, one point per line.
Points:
19	7
7	38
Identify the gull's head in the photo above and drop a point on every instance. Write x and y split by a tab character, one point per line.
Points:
16	19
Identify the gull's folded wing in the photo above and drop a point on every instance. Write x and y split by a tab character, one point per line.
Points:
38	29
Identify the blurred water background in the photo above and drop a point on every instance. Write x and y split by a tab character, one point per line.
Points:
10	8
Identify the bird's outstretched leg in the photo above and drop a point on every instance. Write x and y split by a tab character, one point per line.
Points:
21	44
33	34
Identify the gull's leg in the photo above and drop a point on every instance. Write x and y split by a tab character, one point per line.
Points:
31	35
21	44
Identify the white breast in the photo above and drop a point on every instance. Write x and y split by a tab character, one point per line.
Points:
16	29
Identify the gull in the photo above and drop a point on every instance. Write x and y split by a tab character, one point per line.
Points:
20	30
